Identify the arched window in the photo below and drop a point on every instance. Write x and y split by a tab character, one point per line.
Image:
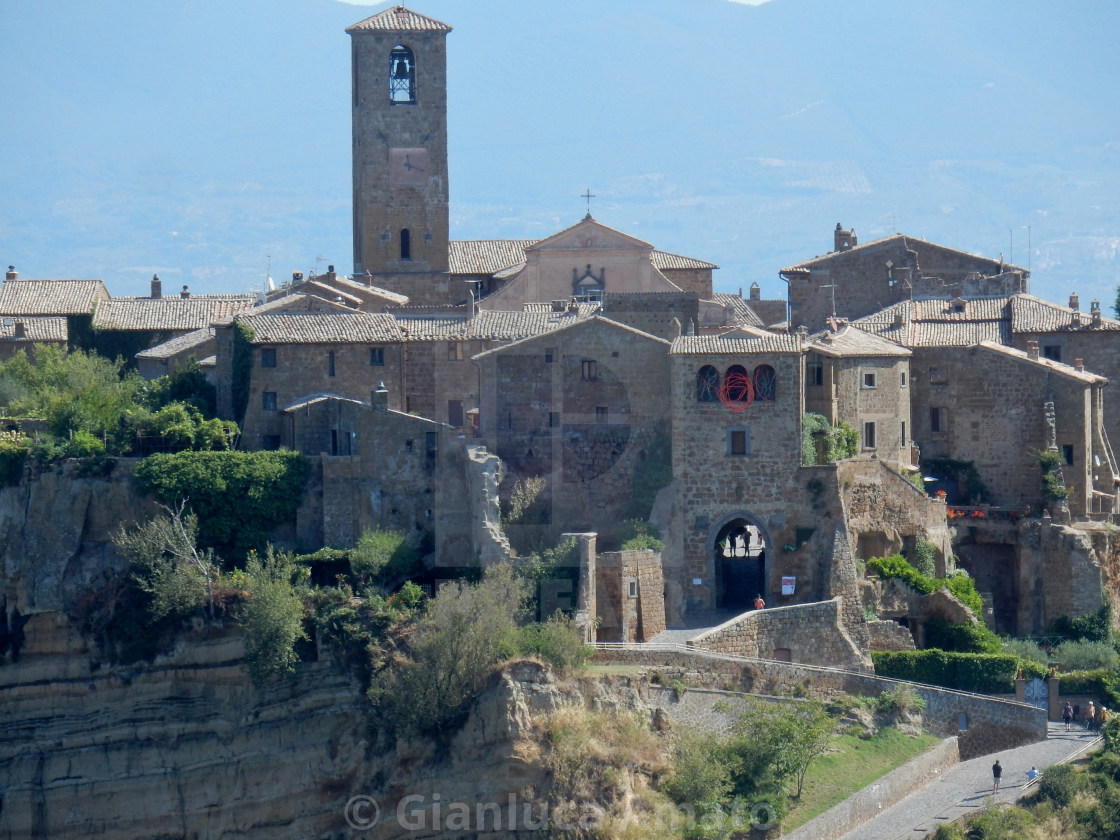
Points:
406	244
765	383
402	76
737	384
707	384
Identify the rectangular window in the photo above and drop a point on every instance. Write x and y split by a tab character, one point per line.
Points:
1052	351
589	370
377	356
938	421
268	357
738	441
902	441
554	419
268	401
814	369
869	435
549	355
455	351
937	376
633	587
334	441
868	380
330	363
1067	453
600	414
431	443
902	379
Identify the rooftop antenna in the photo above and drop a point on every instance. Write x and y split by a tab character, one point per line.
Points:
317	261
268	275
833	287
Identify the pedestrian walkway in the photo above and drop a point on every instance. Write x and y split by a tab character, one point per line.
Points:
693	625
967	787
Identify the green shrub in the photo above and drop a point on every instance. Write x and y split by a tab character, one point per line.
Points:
702	771
82	444
960	584
925	555
1092	683
637	534
900	700
1059	784
13	455
383	556
239	497
963	638
823	443
272	614
984	673
1050	463
1095	626
1084	655
1026	650
557	641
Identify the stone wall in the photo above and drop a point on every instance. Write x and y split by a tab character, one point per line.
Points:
629	596
989	724
811	634
889	635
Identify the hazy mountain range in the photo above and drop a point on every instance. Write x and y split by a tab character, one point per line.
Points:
207	140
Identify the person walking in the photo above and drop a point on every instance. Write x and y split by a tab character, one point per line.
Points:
758	602
1090	716
997	774
1067	714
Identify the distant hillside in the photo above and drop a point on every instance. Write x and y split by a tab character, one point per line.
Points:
200	139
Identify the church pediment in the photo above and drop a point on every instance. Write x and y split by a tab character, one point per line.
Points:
590	235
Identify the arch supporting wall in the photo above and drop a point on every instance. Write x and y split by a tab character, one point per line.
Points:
724	595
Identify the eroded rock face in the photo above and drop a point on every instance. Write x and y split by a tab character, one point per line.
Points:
188	747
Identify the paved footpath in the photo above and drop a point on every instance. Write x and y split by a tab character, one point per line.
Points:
967	787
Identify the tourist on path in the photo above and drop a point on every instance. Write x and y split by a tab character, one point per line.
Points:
997	773
758	602
1090	716
1067	714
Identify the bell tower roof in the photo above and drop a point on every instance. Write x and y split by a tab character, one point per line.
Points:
399	19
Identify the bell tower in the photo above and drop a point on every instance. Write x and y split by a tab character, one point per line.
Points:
399	80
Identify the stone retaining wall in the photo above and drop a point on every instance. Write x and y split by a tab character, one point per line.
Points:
811	634
982	724
880	794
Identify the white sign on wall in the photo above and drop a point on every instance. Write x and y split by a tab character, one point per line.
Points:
789	584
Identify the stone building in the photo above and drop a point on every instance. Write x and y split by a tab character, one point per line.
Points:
855	280
74	300
583	406
862	380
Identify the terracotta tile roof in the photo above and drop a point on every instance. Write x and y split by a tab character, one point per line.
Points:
491	256
169	313
363	291
570	323
584	309
50	297
321	327
486	256
743	312
179	344
1056	367
1032	315
399	18
741	342
663	260
491	326
852	341
938	323
35	329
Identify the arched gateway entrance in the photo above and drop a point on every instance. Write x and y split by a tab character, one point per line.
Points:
739	544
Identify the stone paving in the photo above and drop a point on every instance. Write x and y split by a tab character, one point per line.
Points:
967	787
693	625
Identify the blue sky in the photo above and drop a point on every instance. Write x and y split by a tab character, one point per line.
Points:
208	140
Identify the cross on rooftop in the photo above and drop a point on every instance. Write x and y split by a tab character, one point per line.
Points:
589	195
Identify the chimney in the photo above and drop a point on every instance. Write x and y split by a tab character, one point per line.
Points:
1073	301
1032	349
297	276
1095	311
756	292
331	273
157	286
1079	364
899	319
20	330
1075	318
559	305
380	399
12	273
369	278
186	293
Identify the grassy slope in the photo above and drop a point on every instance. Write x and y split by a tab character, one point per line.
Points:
853	764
